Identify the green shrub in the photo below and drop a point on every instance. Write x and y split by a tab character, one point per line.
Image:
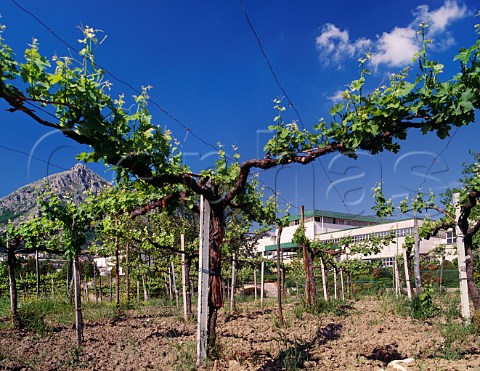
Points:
338	308
32	318
40	315
4	306
422	305
293	357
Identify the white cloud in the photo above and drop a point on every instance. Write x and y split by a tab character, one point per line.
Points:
395	48
439	19
334	45
337	96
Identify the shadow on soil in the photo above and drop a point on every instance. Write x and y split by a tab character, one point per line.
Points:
171	333
252	315
385	353
295	354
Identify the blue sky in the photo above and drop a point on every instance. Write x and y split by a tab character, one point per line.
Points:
206	69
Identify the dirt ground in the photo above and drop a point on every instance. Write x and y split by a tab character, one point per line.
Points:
366	336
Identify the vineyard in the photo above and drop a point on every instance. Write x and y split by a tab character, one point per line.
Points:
162	268
362	332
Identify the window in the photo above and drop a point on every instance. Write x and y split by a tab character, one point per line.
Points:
404	232
388	262
451	238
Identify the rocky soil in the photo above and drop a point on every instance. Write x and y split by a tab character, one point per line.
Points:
364	335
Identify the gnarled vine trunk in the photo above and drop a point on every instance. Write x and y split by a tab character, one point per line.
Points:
215	292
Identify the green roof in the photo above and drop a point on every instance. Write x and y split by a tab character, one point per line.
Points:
283	246
337	215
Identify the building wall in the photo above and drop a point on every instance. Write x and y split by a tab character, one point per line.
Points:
312	229
327	231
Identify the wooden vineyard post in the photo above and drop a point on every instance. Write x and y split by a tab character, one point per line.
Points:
279	287
53	289
255	282
168	290
145	288
95	281
342	285
308	291
68	277
407	274
335	283
203	277
12	282
138	288
117	271
416	254
78	302
184	278
100	284
111	285
234	283
37	274
174	284
324	279
127	273
396	275
462	269
440	279
262	284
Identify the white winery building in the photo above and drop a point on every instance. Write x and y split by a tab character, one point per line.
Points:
332	226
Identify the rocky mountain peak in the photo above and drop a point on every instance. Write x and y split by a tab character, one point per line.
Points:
22	203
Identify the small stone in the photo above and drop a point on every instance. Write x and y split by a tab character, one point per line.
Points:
232	363
397	364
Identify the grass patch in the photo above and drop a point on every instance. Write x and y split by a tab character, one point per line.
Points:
338	308
456	338
390	304
186	356
4	306
99	311
293	356
5	321
40	316
73	358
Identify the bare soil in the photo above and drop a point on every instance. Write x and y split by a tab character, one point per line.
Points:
366	336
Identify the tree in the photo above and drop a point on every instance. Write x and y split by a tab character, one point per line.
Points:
73	222
76	95
468	219
37	234
417	205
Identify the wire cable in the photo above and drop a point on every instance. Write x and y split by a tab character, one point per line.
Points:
31	156
290	102
267	60
167	113
435	159
108	72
